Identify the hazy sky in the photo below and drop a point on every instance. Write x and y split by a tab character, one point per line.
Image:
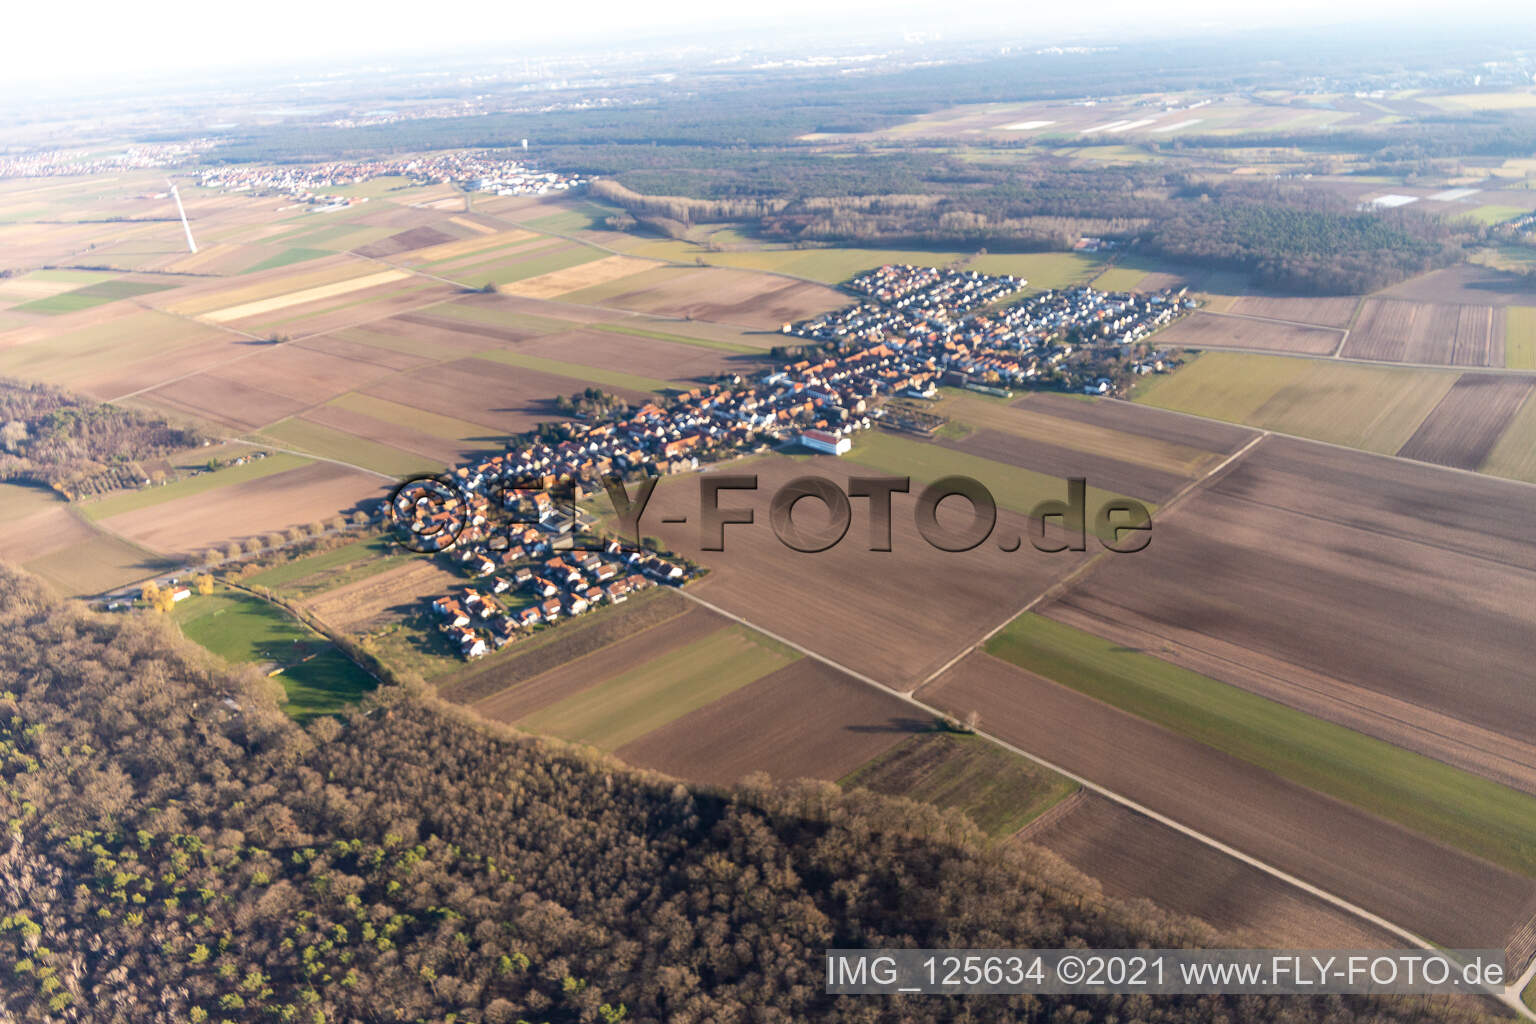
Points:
82	40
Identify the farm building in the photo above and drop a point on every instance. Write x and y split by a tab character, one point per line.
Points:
821	441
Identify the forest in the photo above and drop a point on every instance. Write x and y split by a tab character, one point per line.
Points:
1285	236
177	850
76	446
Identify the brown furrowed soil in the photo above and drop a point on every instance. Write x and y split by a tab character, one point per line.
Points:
1328	312
1215	330
896	615
1134	857
1435	891
806	720
1468	421
1389	596
507	397
761	301
293	497
1421	332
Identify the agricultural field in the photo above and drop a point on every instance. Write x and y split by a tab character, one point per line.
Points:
377	591
1431	888
999	791
1412	332
214	515
303	577
1013	487
1468	284
549	649
1134	857
317	678
1373	408
1345	620
1201	330
647	695
1463	429
841	602
1325	312
1514	454
343	443
805	720
757	301
1520	338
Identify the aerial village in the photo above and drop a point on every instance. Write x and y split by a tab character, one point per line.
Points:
477	172
918	327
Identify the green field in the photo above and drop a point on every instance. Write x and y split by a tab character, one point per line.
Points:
317	678
1429	796
578	215
508	271
1375	408
1514	455
1012	488
1494	214
578	371
1001	792
293	254
132	501
1529	996
649	696
1119	279
329	443
1520	337
681	339
329	569
98	294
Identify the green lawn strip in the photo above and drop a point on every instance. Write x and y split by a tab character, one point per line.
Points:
375	552
681	339
1445	803
1001	792
330	443
578	371
1012	488
293	254
1520	337
1529	995
317	678
649	696
117	504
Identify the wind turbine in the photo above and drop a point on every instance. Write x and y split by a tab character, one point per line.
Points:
191	245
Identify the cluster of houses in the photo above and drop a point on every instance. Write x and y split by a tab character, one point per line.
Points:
952	322
531	583
308	183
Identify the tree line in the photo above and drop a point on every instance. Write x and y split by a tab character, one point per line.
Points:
177	850
51	437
